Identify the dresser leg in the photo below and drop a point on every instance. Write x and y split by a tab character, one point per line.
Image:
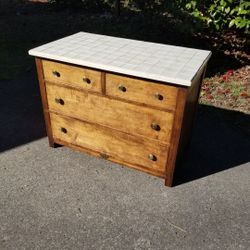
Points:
168	182
53	144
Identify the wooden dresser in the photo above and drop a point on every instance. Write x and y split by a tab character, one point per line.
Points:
127	101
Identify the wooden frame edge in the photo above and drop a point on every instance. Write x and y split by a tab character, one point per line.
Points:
43	94
176	132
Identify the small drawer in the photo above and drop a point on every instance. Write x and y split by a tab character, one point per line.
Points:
111	143
149	93
116	114
74	76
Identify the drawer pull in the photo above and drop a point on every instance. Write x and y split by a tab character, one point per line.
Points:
56	73
155	126
158	96
122	88
59	100
152	157
64	130
87	80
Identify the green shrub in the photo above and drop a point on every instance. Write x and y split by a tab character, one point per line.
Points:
219	14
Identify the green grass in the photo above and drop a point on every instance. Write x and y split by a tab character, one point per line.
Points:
236	89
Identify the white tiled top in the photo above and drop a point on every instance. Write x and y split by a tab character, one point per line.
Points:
167	63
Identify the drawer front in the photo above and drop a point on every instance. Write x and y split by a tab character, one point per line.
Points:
127	148
140	91
72	75
126	117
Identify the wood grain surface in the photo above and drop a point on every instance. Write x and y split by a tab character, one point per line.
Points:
142	91
122	146
66	74
43	94
112	113
176	132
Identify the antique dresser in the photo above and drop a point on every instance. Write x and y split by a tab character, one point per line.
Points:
128	101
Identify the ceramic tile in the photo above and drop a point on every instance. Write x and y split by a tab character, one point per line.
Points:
167	63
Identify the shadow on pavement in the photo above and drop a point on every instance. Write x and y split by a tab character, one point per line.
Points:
21	119
220	140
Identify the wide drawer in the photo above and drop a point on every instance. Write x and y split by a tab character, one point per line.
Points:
126	117
149	93
72	75
128	148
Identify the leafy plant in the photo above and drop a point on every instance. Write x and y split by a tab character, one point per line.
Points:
219	13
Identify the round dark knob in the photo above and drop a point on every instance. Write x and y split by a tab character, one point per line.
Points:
158	96
122	88
56	73
59	100
87	80
64	130
152	157
155	126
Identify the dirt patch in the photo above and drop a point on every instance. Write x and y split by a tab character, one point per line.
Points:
229	91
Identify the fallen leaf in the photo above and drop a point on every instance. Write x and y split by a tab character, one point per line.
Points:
245	94
224	78
209	96
221	91
202	93
230	72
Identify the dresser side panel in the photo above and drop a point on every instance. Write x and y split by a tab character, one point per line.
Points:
190	112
